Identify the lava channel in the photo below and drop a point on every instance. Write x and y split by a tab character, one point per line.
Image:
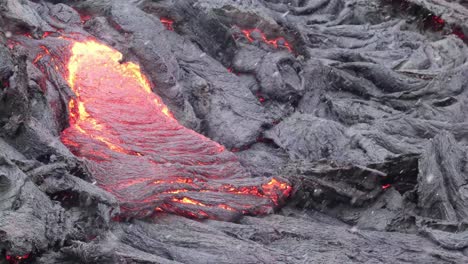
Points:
141	154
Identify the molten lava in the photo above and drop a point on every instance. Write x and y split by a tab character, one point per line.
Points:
141	154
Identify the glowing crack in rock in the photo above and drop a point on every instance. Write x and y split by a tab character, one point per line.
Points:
256	34
141	154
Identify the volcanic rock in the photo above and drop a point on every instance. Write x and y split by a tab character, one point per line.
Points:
273	131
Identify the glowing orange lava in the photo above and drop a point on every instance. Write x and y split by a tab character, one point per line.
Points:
141	154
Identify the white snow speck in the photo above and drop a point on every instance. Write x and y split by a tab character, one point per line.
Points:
430	177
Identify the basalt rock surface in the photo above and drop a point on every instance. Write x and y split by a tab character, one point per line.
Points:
359	105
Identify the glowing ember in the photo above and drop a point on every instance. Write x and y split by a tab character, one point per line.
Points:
457	31
255	34
47	33
4	84
167	23
28	35
84	18
142	155
16	259
386	186
438	20
260	97
11	44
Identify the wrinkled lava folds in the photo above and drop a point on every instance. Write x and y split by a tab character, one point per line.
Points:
140	153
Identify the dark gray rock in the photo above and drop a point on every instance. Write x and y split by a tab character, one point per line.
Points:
279	77
442	189
366	116
306	137
275	239
6	63
263	160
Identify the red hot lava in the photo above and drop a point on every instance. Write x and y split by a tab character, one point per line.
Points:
142	155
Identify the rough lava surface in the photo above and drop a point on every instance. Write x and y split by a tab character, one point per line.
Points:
359	105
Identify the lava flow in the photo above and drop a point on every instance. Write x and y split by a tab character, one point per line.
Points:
141	154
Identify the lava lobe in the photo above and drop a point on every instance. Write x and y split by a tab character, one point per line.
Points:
141	154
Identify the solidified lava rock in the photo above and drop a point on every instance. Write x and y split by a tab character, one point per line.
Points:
358	105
